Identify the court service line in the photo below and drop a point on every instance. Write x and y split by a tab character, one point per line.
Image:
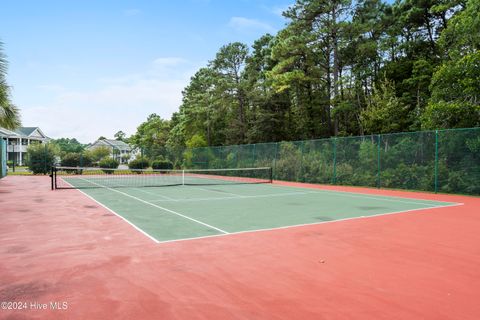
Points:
237	197
310	224
123	218
164	209
156	194
221	192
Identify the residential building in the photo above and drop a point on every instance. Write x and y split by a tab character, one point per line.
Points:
120	151
18	141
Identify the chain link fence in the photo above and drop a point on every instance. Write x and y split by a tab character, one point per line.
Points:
445	161
438	161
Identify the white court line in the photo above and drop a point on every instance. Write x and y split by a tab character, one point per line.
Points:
162	208
221	192
309	224
156	194
237	197
121	217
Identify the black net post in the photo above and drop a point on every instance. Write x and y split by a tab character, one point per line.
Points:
52	169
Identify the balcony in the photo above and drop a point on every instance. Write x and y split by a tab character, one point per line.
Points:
17	148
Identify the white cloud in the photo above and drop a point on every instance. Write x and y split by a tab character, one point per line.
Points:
246	24
116	104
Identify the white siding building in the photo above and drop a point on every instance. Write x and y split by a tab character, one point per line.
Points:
120	151
19	140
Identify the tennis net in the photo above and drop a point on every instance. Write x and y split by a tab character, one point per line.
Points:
82	178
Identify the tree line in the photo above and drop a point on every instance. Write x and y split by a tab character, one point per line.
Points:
338	68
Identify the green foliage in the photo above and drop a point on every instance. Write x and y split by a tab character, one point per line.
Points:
9	113
384	112
196	141
98	153
41	157
455	100
151	137
139	163
108	163
67	145
76	160
451	115
462	35
162	164
121	136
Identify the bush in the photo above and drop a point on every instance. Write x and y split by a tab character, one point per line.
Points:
108	163
41	157
98	153
162	164
76	160
140	163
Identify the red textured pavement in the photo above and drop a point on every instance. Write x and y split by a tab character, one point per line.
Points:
61	246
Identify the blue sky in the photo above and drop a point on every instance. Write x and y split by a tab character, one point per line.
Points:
85	68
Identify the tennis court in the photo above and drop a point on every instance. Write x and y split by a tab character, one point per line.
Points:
182	204
351	256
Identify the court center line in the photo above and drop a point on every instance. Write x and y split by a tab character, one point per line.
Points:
221	192
237	197
156	194
164	209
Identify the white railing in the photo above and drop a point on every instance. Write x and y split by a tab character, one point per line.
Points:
16	148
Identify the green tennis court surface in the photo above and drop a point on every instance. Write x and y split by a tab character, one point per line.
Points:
185	212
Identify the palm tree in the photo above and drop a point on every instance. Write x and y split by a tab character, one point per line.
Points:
9	113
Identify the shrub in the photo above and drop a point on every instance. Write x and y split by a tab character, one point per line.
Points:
140	163
108	163
162	164
98	153
76	160
41	157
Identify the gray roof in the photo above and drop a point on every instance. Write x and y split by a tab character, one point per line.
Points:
117	144
22	132
26	131
6	133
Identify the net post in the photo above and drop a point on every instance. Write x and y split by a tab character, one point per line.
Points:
51	177
436	161
183	177
271	175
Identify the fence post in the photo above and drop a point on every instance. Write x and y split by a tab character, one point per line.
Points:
302	178
378	160
436	161
45	159
275	161
334	177
254	151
